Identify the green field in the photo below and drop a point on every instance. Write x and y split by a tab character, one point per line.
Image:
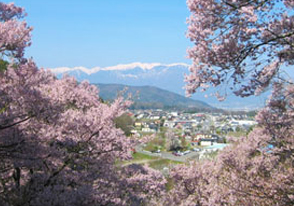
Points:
154	162
139	156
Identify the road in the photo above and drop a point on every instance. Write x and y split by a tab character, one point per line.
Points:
167	155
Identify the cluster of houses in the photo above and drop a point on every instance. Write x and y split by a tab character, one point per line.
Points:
150	121
201	133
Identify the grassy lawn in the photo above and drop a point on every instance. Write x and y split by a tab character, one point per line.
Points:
161	163
139	156
154	162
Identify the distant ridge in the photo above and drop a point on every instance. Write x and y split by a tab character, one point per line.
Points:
150	97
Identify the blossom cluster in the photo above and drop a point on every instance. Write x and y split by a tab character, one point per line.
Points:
236	42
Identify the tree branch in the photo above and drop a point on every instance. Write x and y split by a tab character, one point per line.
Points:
16	123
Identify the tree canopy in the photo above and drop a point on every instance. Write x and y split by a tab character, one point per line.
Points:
58	141
239	45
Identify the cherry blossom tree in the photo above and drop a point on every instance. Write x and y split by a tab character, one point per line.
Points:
240	45
58	142
15	34
243	45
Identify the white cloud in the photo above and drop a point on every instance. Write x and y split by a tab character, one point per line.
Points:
145	66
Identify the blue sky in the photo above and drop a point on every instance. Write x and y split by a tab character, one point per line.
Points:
91	33
106	32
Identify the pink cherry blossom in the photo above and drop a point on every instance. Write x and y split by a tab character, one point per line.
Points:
58	141
236	41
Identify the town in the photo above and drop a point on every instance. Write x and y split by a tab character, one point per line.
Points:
185	136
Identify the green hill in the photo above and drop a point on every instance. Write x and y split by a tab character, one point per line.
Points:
149	97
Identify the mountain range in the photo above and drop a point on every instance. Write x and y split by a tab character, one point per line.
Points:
164	76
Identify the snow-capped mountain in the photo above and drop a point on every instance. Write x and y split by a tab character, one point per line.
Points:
120	67
165	76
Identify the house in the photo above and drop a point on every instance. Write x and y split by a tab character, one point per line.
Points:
138	124
134	132
149	127
207	142
169	124
243	123
207	139
195	142
146	129
175	114
154	117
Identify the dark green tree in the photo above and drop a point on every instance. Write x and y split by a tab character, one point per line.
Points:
3	65
125	123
